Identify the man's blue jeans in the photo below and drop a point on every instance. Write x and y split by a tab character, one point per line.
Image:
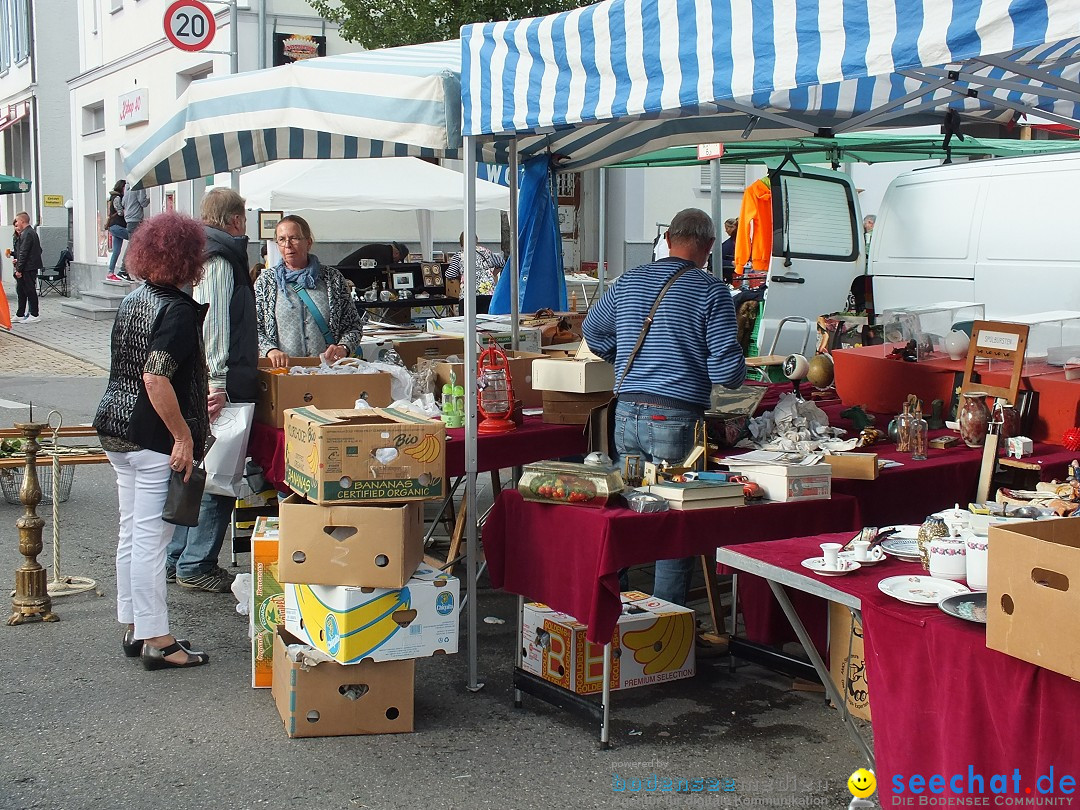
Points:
195	550
658	433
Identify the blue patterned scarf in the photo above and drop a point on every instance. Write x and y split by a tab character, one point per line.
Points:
306	278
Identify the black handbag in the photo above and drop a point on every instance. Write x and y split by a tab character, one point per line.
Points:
182	504
600	427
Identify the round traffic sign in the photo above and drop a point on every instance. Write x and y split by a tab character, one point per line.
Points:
189	25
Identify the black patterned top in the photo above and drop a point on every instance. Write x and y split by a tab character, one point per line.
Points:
158	330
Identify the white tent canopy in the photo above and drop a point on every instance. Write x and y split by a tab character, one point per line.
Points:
372	184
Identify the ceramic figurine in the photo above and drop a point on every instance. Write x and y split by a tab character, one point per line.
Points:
974	419
933	527
956	344
937	418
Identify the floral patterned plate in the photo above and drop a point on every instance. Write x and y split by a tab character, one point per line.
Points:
919	590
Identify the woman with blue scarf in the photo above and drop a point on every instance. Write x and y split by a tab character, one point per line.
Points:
303	309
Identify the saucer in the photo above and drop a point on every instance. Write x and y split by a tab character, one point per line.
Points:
876	556
817	565
920	590
902	548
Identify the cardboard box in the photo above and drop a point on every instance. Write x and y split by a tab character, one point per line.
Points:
1033	594
652	643
790	482
374	456
334	700
577	376
374	345
563	408
853	466
377	624
279	392
374	546
848	670
267	608
491	327
521	373
549	323
428	347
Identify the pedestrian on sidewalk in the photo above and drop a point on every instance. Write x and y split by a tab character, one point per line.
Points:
27	266
116	226
136	201
152	423
232	358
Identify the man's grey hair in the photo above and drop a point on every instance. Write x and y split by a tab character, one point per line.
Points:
692	225
220	205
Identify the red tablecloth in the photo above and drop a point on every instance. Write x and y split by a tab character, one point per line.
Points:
569	557
533	441
942	703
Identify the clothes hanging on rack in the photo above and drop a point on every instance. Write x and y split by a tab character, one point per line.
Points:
753	241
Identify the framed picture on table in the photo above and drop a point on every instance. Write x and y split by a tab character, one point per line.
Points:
268	221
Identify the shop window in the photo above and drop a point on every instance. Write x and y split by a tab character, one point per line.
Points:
94	118
819	212
184	79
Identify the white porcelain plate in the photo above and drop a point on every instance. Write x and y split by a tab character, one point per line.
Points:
876	556
918	590
901	548
904	533
817	565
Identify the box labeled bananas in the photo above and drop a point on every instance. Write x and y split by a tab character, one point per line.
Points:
377	624
379	455
377	546
653	642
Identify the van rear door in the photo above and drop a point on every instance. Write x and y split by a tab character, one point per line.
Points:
817	252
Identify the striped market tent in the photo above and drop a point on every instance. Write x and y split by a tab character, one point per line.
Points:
624	77
396	102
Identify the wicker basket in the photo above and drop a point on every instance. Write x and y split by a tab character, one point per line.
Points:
11	482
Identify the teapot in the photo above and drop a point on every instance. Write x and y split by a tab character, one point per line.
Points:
948	557
956	519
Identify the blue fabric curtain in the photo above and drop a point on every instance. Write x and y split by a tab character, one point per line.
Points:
541	282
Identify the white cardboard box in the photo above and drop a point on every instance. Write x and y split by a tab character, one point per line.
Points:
377	624
652	643
790	482
573	376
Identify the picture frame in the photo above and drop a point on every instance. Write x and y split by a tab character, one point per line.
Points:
268	221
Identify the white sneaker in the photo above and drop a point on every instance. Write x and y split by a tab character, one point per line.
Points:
31	319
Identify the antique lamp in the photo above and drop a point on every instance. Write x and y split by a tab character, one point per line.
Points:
495	391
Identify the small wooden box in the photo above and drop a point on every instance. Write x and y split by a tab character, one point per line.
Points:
855	466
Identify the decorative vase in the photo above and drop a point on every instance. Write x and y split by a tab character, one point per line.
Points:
947	558
932	528
1008	417
974	419
956	344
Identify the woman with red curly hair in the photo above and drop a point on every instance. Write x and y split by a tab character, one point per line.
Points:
152	422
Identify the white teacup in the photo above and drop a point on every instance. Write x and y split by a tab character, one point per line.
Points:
830	551
862	550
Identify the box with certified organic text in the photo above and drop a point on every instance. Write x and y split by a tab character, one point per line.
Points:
379	455
267	608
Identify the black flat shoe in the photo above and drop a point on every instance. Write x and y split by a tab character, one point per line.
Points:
133	646
153	658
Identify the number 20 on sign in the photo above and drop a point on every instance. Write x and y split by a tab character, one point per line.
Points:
189	25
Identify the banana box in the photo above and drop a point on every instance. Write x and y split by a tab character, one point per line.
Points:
653	642
267	608
378	455
327	699
377	624
378	546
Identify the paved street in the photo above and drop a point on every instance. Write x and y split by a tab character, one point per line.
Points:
88	728
85	339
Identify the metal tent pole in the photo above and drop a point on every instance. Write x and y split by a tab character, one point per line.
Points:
515	264
468	268
601	259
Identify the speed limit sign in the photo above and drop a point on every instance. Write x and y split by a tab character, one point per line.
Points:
189	25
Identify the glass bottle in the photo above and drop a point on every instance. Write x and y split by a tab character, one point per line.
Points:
918	436
903	430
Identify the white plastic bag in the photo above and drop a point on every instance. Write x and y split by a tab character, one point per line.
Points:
224	464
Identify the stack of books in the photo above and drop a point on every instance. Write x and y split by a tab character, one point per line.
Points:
698	494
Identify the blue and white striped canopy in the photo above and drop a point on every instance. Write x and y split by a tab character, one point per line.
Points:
623	77
395	102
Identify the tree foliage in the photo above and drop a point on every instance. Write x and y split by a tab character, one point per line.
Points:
388	23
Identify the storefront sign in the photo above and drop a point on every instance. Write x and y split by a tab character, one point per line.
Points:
289	48
53	200
134	107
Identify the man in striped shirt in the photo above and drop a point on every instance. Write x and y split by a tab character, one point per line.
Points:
690	347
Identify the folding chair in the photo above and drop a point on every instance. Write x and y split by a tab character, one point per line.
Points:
56	280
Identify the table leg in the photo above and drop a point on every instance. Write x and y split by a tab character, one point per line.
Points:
819	667
519	647
712	591
605	718
734	615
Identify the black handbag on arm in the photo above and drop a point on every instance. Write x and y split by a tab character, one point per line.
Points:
600	427
184	499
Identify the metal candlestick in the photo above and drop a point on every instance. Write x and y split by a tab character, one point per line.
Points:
31	600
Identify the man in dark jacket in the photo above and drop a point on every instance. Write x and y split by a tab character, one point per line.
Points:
27	266
232	355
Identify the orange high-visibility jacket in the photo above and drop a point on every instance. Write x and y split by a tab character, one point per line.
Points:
753	240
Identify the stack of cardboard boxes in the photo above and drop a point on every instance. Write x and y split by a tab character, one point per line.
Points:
356	604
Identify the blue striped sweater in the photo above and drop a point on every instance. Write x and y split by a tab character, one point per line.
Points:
691	345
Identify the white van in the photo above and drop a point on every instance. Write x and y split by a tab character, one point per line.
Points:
1004	233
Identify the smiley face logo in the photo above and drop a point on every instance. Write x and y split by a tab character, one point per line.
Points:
862	783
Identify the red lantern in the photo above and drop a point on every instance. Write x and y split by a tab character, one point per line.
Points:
495	391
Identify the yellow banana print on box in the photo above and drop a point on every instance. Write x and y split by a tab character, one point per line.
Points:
665	645
428	449
313	459
355	632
